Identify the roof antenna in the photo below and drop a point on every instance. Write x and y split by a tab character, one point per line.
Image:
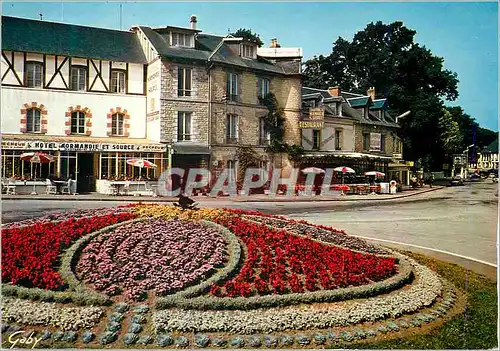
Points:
120	16
41	16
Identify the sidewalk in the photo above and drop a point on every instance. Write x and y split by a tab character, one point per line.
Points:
201	199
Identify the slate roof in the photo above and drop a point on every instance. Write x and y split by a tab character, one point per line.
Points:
20	34
493	147
378	104
359	101
307	90
205	44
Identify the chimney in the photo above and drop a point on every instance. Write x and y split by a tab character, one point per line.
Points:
371	93
334	91
274	43
193	21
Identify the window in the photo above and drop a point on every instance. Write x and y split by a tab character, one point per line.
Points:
338	140
34	72
366	142
117	82
33	123
232	87
181	39
77	122
78	78
232	128
382	143
263	88
117	124
231	165
316	139
184	126
184	82
248	51
264	135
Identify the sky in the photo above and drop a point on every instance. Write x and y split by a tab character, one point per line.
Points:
464	34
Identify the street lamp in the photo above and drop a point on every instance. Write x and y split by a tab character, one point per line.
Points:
466	152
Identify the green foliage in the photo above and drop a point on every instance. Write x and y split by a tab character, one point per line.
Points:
478	330
450	134
386	56
247	34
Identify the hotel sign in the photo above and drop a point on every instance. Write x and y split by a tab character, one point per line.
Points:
316	119
33	145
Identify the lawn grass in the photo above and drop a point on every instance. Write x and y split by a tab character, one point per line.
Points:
475	328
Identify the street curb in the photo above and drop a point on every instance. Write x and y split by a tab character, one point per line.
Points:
199	199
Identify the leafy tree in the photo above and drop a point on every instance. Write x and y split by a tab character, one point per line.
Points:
451	137
248	35
386	56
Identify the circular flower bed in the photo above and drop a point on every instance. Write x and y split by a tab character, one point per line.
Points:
158	254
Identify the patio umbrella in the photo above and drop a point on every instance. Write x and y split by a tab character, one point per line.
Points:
344	170
315	170
36	157
141	163
375	173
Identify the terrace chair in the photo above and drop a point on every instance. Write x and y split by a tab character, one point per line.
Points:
49	187
126	188
65	189
10	187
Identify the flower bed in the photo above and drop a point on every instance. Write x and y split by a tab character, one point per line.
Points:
319	233
63	216
423	292
158	254
30	254
278	263
49	314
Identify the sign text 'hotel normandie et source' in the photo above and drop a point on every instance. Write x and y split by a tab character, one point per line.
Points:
33	145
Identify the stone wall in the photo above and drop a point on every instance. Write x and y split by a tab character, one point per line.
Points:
361	129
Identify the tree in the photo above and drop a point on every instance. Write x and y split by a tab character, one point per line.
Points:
386	56
450	135
247	34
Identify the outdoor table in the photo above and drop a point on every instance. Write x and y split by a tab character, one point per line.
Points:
59	184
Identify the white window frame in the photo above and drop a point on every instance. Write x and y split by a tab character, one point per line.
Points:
247	51
232	125
36	120
77	79
232	86
34	74
118	85
186	134
186	41
79	120
264	87
118	124
187	75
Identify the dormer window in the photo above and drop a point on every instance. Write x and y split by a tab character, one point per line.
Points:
181	39
248	51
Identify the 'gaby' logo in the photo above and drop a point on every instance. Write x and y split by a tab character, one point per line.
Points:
19	338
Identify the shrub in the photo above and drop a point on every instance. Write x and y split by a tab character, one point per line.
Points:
108	337
134	328
270	341
164	340
285	340
87	336
201	340
57	336
141	309
319	339
145	340
302	339
113	326
121	307
237	342
45	335
181	341
138	319
69	336
116	317
219	342
254	341
130	338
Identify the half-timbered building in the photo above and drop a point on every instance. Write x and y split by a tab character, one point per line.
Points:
78	93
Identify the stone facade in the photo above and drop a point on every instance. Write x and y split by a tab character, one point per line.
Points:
171	103
390	138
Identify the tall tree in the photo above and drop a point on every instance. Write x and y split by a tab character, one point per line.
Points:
386	56
248	35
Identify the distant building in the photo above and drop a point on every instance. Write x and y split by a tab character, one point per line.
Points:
347	129
487	159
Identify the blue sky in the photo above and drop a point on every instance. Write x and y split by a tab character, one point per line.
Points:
464	34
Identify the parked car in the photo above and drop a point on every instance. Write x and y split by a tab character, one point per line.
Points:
494	177
474	177
456	180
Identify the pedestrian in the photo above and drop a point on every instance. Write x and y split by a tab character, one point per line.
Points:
431	180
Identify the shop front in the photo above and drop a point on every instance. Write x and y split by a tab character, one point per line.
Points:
92	162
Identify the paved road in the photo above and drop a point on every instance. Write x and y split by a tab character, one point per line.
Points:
461	220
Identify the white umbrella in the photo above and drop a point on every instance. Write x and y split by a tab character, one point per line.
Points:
344	170
315	170
36	157
375	173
